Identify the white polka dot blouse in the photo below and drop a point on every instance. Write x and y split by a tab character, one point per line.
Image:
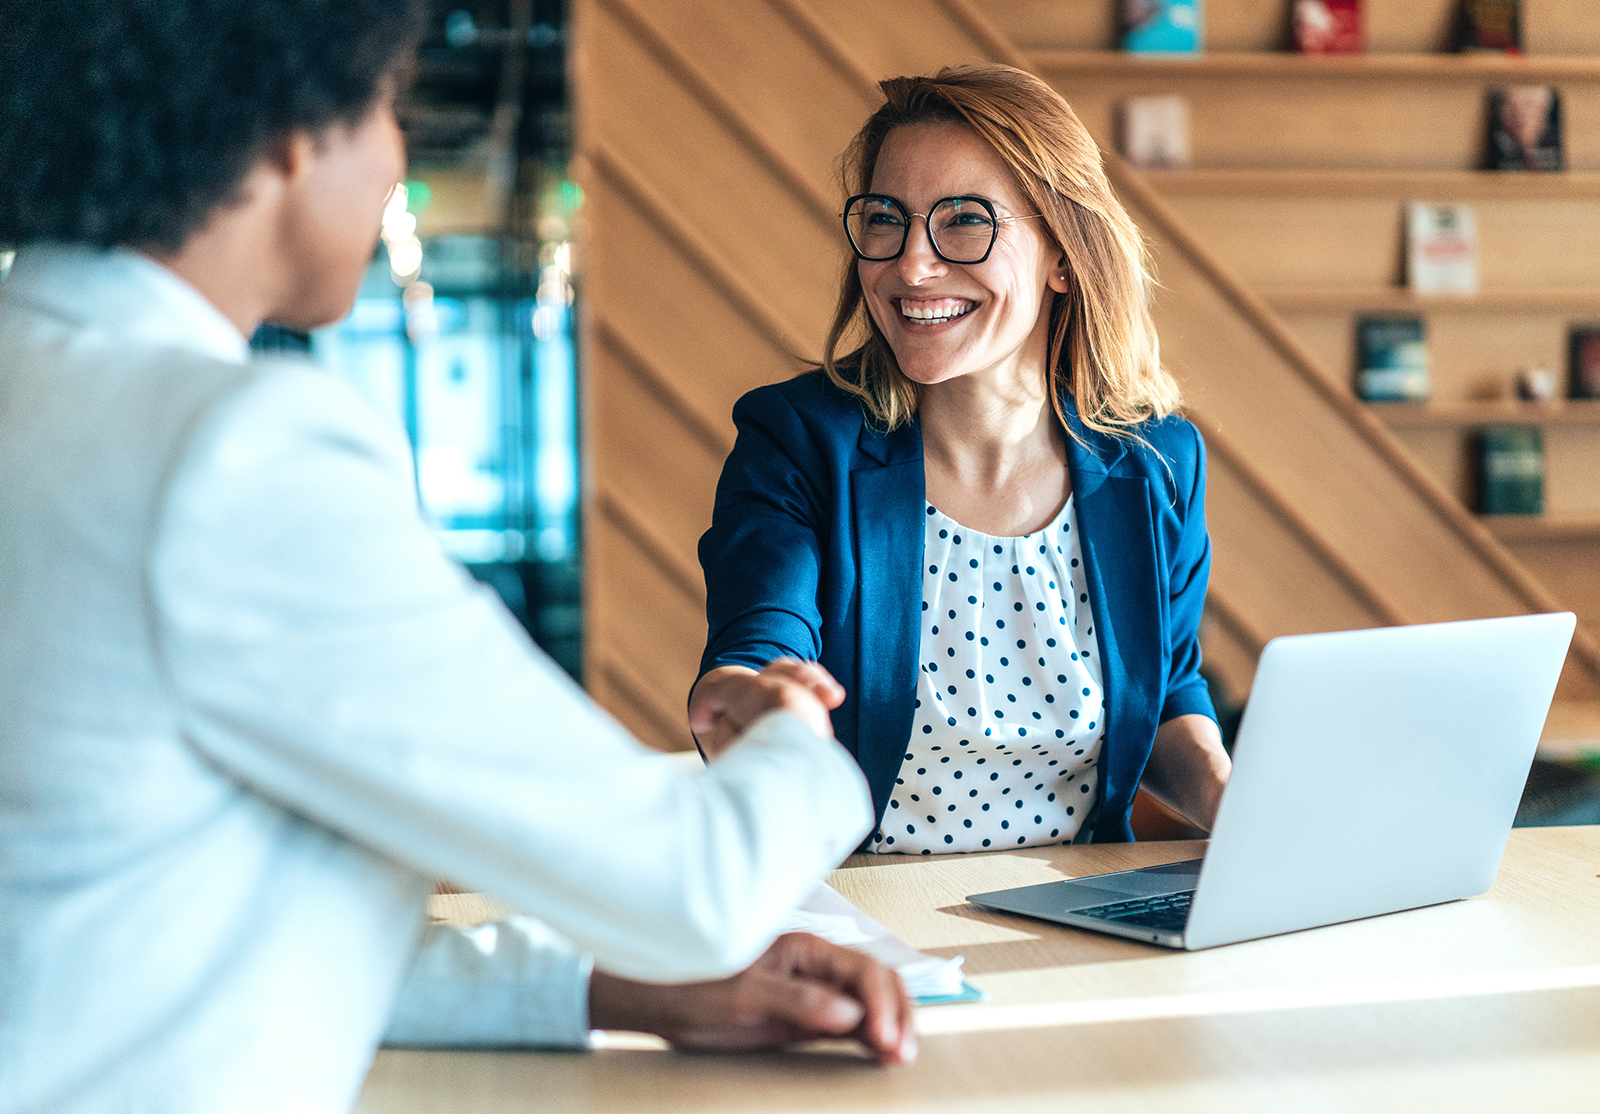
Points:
1009	719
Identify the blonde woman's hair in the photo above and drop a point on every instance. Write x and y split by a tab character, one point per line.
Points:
1103	350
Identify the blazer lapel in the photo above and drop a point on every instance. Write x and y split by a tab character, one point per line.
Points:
888	489
1117	537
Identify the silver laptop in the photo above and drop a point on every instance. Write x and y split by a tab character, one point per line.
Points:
1374	771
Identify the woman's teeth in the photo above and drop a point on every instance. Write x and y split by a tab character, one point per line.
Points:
936	312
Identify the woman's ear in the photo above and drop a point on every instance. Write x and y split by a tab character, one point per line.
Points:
1060	279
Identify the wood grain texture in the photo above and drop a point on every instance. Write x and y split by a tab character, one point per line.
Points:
1322	519
1490	1003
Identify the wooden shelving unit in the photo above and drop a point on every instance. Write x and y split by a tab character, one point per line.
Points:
1360	67
1455	185
1303	168
1538	527
1469	415
1398	299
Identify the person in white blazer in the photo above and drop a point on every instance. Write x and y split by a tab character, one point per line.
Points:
248	709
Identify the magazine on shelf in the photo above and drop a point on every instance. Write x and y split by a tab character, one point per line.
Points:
1393	359
1328	27
1441	248
1510	470
1493	26
1161	26
1584	370
1154	132
1525	128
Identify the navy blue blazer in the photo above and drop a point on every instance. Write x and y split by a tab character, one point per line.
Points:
815	552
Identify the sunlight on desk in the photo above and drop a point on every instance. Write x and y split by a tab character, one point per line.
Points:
1486	1004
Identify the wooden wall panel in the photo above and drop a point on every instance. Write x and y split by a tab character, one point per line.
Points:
642	628
1566	565
708	136
1258	556
891	38
1441	452
1572	485
659	304
673	146
764	61
666	487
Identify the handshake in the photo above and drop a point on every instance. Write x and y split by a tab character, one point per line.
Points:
728	699
803	987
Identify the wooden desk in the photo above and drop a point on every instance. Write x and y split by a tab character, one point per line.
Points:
1488	1004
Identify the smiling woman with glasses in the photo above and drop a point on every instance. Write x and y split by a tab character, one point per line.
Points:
977	530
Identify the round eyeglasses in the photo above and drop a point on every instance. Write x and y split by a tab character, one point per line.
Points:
961	229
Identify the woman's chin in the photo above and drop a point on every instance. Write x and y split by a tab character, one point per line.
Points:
924	368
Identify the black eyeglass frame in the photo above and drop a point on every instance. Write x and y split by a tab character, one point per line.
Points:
905	238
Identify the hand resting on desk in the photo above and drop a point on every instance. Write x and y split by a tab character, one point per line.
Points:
803	988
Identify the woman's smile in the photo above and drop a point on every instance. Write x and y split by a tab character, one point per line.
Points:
923	316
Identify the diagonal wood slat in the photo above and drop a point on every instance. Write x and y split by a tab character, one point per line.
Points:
1321	518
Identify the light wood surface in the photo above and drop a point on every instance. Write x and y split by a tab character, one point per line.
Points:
1487	1004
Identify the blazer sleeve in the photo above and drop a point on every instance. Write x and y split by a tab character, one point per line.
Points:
318	647
763	555
1189	572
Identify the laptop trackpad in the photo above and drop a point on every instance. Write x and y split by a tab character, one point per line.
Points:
1102	888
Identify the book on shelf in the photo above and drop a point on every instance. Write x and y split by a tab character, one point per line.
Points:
1441	248
1525	128
1328	27
1161	26
1493	26
1584	369
1154	132
1393	359
1510	470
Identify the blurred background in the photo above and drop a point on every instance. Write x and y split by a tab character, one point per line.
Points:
465	330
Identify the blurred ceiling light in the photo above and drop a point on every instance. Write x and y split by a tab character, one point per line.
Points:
400	236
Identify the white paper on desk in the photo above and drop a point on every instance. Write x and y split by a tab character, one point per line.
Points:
827	914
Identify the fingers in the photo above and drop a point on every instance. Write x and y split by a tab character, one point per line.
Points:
728	699
884	1018
809	675
802	988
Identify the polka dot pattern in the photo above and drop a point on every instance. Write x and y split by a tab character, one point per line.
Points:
1009	718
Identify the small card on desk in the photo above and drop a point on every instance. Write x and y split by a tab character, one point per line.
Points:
928	979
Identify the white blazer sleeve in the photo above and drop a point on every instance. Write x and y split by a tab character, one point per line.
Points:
320	648
508	983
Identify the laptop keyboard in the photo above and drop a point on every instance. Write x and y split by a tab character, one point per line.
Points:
1164	913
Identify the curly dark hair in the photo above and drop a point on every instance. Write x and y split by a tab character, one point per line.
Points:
128	122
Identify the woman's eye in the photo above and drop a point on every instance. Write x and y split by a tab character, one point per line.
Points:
883	220
971	218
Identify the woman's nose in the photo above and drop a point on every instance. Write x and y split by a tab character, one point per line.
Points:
919	261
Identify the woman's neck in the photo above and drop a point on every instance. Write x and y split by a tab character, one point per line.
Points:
994	457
